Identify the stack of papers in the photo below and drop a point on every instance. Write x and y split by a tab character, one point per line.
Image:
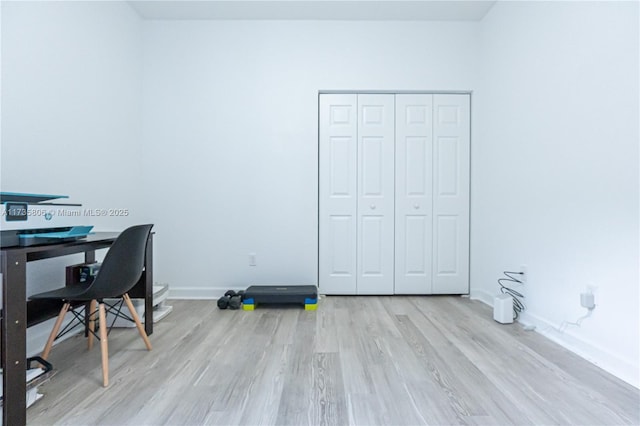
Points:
32	394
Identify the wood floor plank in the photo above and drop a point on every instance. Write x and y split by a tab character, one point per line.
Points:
566	401
498	364
620	396
365	409
357	360
263	397
460	377
326	328
298	380
442	371
330	404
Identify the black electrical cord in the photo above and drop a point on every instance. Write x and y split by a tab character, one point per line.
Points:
518	305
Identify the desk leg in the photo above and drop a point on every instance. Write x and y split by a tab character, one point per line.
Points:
14	341
89	257
148	287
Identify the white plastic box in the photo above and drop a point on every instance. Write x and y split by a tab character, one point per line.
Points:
160	309
503	309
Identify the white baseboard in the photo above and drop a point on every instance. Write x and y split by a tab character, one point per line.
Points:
482	296
623	369
199	293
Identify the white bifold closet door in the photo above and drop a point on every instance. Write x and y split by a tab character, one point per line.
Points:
413	215
337	193
375	209
394	194
451	154
356	248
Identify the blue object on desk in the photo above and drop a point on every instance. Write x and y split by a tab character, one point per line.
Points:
28	198
74	233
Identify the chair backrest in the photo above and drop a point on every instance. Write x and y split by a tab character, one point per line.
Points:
123	265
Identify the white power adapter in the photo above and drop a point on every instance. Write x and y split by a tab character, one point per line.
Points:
587	300
503	309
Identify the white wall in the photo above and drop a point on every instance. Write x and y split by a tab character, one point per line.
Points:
71	99
218	144
71	120
230	121
555	180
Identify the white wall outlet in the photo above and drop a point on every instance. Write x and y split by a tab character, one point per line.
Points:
252	259
587	300
523	273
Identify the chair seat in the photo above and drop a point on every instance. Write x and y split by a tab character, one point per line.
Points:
72	292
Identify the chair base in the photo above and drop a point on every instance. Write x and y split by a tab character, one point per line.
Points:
102	330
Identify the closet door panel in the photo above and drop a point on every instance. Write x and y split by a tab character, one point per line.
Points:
375	210
337	194
413	216
451	115
394	193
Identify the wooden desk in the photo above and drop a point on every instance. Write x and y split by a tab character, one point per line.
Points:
13	265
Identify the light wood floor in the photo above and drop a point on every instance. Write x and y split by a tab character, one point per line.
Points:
355	361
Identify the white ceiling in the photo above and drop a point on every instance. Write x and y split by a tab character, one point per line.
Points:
376	10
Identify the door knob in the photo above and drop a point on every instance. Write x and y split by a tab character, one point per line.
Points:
416	206
372	206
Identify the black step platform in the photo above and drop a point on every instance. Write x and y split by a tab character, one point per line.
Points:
306	295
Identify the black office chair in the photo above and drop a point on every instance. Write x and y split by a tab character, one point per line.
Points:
121	269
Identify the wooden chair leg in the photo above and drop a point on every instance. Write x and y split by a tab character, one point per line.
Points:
102	317
54	332
92	323
136	319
